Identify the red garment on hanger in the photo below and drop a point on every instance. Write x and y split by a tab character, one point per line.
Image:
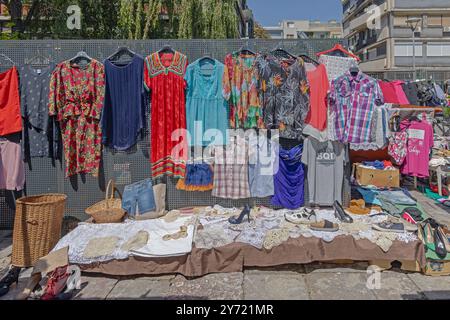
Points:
342	49
10	119
319	86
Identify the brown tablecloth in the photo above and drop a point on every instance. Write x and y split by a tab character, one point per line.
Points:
235	257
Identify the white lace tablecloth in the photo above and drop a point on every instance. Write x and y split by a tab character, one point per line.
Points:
78	239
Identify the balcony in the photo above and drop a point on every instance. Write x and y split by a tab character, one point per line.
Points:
360	22
430	32
421	4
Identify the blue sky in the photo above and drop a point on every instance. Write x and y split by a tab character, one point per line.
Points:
270	12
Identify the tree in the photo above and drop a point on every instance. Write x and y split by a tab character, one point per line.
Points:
127	19
15	9
260	32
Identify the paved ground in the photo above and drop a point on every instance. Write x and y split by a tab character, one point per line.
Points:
317	281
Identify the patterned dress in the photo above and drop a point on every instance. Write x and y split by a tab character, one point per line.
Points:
164	78
76	99
284	94
240	88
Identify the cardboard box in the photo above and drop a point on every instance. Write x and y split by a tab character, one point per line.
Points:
379	178
437	268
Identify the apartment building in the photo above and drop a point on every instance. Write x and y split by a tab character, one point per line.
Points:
380	32
305	29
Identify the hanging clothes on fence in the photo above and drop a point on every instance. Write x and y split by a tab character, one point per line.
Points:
123	113
337	66
325	162
263	163
289	180
353	99
40	138
240	89
319	86
411	92
76	99
231	180
164	78
10	119
419	144
206	109
12	171
284	94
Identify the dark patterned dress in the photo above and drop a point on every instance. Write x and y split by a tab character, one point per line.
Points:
284	92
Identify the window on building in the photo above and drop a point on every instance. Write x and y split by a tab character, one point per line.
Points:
290	36
400	21
291	25
446	22
406	50
434	21
438	50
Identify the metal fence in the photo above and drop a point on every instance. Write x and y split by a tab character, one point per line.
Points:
422	74
44	176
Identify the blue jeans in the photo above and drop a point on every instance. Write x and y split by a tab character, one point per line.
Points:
139	196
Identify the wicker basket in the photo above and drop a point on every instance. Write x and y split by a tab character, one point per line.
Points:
37	227
108	210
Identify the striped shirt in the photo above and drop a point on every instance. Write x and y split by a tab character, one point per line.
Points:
353	100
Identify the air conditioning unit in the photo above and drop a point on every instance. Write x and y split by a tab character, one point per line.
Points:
446	29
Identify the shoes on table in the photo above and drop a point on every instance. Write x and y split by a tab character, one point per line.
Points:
240	219
12	277
301	216
388	226
340	213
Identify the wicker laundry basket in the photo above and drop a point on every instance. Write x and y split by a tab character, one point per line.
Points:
37	227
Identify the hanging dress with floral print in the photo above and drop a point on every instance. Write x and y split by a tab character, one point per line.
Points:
240	89
76	99
284	91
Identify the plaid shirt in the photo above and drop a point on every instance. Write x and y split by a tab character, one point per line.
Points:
353	100
231	170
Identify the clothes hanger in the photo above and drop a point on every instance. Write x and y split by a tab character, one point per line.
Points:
81	56
308	59
280	52
354	71
45	60
338	48
4	56
246	50
166	49
120	52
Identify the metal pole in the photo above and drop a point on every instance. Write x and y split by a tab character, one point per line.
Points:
414	54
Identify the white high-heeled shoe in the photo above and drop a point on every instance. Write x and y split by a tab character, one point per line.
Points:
74	280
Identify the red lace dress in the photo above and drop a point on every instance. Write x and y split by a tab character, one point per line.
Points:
76	98
164	78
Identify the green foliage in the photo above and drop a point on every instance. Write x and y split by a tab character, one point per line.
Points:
135	19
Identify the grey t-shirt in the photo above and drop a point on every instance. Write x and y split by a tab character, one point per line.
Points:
325	162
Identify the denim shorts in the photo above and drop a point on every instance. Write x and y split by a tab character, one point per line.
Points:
139	197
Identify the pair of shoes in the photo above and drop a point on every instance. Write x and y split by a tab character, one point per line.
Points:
435	238
12	277
388	226
301	217
73	283
340	213
239	219
56	283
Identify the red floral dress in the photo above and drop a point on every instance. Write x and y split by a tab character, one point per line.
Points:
76	98
164	78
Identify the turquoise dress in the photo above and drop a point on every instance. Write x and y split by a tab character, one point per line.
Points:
206	109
